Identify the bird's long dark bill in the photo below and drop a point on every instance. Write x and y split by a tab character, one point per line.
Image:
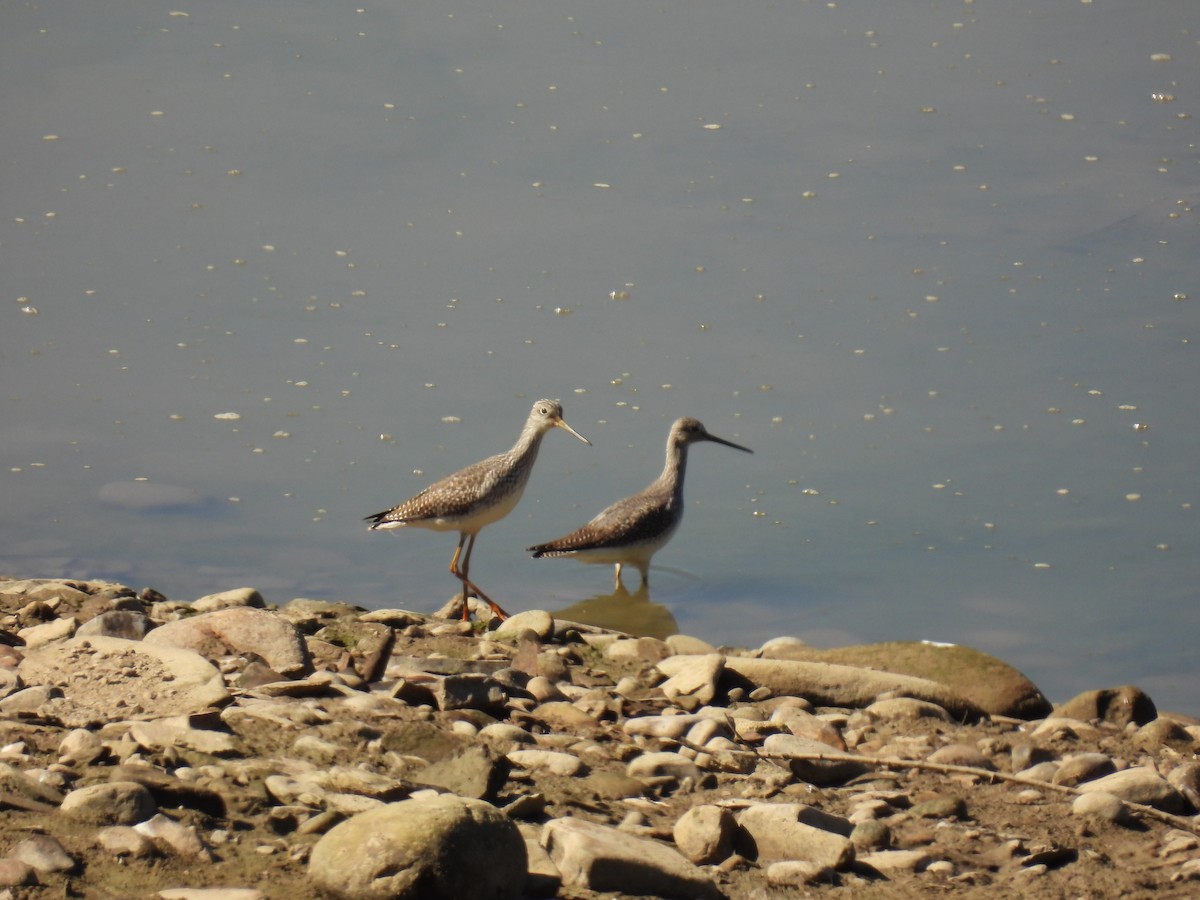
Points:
729	444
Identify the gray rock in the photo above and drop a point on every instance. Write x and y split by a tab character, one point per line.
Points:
47	632
550	761
663	764
1081	767
673	727
598	858
990	684
122	840
44	853
474	772
174	838
896	708
14	873
227	599
468	691
80	747
945	807
543	878
961	755
540	622
692	680
119	623
106	678
797	873
776	831
830	684
890	863
821	772
29	700
1185	778
237	631
1140	784
445	848
112	803
1100	805
704	834
686	645
1117	706
177	731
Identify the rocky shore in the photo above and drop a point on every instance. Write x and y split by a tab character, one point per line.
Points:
227	748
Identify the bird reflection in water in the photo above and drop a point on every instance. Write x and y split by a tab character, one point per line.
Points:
622	611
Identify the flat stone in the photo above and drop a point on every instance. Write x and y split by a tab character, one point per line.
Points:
673	727
14	873
961	755
663	764
1139	784
830	684
237	631
444	848
174	838
55	630
44	853
822	772
1100	805
122	840
890	863
797	873
474	772
896	708
988	683
549	760
106	678
1081	767
599	858
227	599
777	831
691	678
112	803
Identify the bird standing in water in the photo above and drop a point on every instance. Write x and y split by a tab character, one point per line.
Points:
632	530
478	495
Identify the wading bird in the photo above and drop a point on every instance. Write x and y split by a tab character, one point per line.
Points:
478	495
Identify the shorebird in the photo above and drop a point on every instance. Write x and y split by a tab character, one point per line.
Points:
478	495
632	530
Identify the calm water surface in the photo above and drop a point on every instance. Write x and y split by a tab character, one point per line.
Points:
271	267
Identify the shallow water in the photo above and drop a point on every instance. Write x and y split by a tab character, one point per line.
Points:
271	268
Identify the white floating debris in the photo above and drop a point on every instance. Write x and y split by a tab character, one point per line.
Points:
451	420
231	416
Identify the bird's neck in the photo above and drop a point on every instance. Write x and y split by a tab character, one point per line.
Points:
673	470
527	445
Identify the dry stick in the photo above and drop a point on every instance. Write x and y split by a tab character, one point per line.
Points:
1181	822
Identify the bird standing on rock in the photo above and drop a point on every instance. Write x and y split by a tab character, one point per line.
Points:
478	495
632	530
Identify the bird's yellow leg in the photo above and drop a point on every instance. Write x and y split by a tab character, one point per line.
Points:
466	581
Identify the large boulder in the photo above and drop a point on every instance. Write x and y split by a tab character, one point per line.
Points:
444	848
